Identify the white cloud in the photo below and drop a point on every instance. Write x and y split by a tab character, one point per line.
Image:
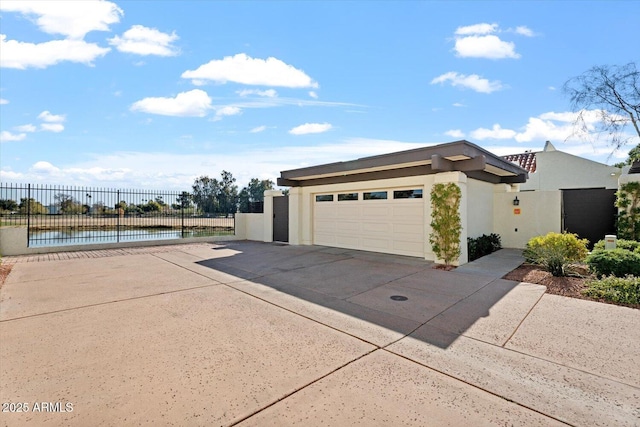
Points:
480	41
44	167
551	88
52	127
26	128
161	170
310	128
556	126
46	116
476	29
455	133
52	122
472	81
524	31
269	93
194	103
250	71
142	40
496	132
488	46
6	136
22	55
313	94
229	110
3	101
458	104
258	129
73	19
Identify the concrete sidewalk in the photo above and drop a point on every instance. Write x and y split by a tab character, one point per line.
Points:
260	334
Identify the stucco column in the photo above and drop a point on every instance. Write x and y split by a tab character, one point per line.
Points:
295	216
460	179
268	214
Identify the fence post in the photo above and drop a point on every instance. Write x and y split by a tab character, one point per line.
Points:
28	213
182	217
117	206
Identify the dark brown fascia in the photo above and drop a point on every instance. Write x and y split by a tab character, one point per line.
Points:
478	159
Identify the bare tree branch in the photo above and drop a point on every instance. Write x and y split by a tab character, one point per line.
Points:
614	92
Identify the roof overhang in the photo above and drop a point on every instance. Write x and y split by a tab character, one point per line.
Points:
461	156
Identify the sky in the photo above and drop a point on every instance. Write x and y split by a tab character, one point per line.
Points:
141	94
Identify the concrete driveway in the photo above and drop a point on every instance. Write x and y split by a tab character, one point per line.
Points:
246	333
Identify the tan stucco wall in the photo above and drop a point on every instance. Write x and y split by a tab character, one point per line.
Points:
480	208
556	170
540	213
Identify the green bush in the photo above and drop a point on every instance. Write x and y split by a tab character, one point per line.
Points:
483	245
555	251
615	289
630	245
617	262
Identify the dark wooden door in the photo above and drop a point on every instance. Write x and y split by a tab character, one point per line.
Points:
281	219
590	213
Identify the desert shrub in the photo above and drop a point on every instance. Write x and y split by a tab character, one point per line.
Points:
630	245
617	262
615	289
555	251
484	245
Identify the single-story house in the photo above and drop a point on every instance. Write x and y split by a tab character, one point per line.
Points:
586	189
552	169
382	203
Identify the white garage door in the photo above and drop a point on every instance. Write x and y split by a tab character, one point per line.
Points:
389	221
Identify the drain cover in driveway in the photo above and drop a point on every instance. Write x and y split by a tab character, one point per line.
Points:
399	298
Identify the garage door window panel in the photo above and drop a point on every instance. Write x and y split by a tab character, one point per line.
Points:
324	198
375	195
347	197
407	194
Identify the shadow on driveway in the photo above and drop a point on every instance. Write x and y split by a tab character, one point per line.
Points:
367	286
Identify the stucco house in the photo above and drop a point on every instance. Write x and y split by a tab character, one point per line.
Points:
551	169
582	190
382	203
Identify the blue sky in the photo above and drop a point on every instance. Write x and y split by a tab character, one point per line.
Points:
154	94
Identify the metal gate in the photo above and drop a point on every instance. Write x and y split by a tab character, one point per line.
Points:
281	219
590	213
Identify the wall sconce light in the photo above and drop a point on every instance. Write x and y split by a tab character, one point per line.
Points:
516	202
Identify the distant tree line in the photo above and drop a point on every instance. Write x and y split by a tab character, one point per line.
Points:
210	196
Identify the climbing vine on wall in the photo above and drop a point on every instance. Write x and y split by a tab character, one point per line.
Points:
628	201
445	221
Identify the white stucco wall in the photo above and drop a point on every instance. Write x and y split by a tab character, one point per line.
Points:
556	170
480	208
540	213
250	226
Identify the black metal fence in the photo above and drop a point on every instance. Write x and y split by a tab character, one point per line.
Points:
63	215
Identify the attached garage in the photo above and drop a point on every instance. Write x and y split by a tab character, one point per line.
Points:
382	220
382	203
